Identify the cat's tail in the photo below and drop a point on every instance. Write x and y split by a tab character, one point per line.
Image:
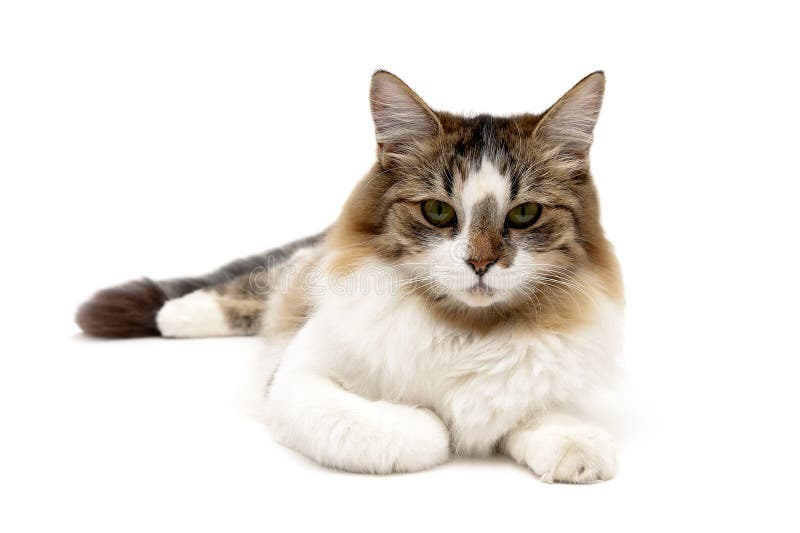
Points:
228	301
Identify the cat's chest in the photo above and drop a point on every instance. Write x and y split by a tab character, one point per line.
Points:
480	384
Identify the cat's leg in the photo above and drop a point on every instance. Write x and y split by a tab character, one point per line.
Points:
311	413
559	447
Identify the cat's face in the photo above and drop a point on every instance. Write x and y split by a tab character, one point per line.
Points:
483	241
482	212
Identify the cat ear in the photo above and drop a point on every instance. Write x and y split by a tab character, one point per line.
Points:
569	123
400	116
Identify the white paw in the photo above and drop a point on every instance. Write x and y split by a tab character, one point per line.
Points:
197	314
352	434
404	439
571	454
422	443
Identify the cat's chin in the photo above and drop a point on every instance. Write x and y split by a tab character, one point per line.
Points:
480	295
478	298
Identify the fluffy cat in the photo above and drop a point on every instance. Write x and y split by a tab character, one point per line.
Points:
463	303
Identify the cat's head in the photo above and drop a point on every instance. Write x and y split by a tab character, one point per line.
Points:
482	215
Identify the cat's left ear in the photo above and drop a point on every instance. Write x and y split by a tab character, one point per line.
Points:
401	117
570	122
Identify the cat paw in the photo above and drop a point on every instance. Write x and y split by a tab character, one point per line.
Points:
419	443
582	454
380	438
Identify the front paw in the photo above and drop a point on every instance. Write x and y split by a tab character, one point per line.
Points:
416	441
571	454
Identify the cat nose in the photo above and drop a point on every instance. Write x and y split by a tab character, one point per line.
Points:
480	267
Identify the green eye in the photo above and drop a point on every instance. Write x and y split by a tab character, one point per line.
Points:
524	215
438	213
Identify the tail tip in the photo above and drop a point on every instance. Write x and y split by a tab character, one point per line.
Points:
124	311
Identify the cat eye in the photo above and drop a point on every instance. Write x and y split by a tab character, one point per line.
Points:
438	213
524	215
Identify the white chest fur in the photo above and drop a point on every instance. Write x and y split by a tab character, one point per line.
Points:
388	347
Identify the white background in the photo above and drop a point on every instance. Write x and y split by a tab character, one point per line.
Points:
165	138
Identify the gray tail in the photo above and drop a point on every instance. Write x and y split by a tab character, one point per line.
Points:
129	310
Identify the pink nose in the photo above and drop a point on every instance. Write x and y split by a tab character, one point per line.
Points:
480	267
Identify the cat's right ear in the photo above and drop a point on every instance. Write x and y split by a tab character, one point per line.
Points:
401	117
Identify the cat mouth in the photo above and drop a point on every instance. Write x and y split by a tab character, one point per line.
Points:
481	288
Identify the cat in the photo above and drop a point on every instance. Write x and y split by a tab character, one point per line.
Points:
464	303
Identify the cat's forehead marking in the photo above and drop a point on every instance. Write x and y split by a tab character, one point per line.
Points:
485	182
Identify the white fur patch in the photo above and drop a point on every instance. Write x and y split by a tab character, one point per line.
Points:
197	314
375	392
486	181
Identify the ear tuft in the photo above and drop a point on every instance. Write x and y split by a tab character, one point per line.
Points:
570	122
401	117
